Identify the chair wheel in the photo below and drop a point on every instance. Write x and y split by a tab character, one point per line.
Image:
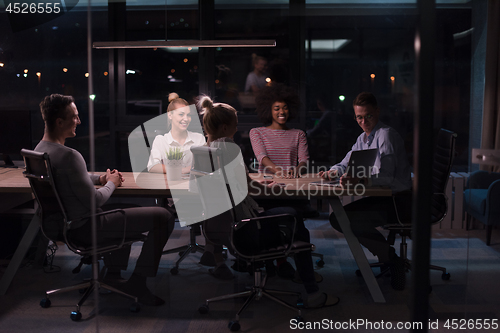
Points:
203	309
320	263
445	276
135	307
234	326
300	303
174	271
358	272
45	303
76	315
299	319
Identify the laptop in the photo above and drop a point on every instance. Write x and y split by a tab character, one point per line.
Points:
360	164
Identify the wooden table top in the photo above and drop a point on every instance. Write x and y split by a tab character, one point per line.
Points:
155	185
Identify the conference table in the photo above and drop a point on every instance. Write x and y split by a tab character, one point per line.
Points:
14	185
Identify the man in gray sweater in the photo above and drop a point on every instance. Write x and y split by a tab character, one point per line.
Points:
76	186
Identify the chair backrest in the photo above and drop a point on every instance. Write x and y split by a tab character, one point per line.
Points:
211	180
226	223
39	173
443	160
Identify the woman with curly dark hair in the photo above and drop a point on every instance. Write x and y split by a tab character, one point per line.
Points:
280	150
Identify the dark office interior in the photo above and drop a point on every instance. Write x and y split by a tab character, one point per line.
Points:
328	51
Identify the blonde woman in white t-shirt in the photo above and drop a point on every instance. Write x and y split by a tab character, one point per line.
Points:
179	116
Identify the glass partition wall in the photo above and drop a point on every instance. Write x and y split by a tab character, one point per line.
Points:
347	48
329	51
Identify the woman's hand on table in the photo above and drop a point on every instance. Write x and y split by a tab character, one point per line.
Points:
290	173
270	184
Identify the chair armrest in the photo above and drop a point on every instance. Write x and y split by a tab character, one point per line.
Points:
482	179
106	248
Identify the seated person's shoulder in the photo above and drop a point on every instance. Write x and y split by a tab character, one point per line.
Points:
388	133
255	130
160	138
197	137
221	142
299	131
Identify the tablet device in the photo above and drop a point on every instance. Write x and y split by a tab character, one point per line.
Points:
361	162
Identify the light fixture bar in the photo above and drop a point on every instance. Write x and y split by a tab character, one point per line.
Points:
184	43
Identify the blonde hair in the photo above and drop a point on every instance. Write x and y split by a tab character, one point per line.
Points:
175	101
215	114
173	98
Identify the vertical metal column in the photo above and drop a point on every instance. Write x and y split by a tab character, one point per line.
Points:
206	60
297	49
425	41
90	92
117	26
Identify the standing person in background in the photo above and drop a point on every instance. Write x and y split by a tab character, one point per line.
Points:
256	79
280	150
179	118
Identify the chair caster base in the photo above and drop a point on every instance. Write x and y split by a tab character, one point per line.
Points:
299	319
174	271
75	315
45	303
320	263
203	309
234	326
300	303
135	307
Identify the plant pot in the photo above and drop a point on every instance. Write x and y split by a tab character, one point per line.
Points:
173	169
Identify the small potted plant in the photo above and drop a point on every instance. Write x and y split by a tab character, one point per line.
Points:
173	163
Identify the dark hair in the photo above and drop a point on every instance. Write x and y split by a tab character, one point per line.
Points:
276	92
53	107
365	98
256	58
215	114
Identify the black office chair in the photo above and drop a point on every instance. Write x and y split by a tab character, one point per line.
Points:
55	224
224	229
443	160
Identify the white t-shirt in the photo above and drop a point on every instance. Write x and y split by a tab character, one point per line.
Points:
163	143
255	80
